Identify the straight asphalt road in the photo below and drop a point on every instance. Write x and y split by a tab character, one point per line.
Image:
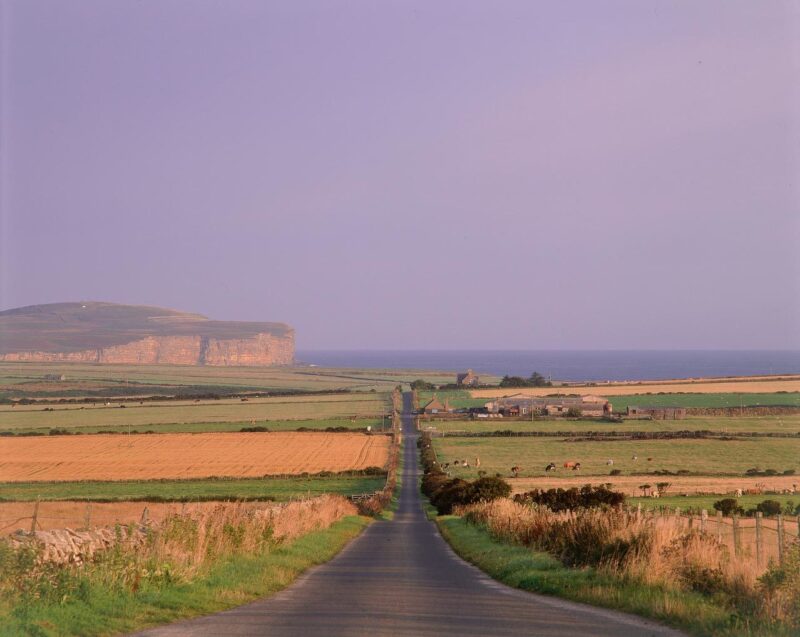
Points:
401	578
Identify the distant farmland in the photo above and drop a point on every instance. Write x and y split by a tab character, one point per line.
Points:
146	457
254	411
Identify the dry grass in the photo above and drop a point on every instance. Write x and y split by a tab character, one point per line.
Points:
649	549
146	457
691	485
700	386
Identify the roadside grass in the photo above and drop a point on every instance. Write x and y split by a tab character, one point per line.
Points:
279	489
698	456
98	610
789	423
538	572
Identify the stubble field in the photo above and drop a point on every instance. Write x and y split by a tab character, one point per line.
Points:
164	456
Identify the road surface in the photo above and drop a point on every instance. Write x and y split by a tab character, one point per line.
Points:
401	578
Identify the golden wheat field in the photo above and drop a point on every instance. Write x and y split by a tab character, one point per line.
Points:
734	386
146	457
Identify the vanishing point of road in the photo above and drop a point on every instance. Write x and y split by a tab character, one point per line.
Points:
400	577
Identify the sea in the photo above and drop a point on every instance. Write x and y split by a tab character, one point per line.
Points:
570	365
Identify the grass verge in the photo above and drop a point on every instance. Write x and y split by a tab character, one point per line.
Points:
98	610
539	572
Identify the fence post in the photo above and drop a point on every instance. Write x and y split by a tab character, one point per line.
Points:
639	510
736	538
719	526
35	519
759	539
144	516
703	520
87	520
691	521
780	539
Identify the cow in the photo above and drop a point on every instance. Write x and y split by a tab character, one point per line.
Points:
649	460
477	461
609	462
738	493
569	464
634	458
577	466
550	467
515	470
655	494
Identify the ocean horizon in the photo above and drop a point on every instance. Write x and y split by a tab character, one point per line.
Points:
570	365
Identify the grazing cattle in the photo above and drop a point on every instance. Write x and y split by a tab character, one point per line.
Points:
477	461
609	462
634	458
738	493
655	494
569	464
550	467
649	460
577	466
515	470
445	465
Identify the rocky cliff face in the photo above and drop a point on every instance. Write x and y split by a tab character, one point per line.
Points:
263	349
95	332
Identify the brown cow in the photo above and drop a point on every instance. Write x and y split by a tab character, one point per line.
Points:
569	464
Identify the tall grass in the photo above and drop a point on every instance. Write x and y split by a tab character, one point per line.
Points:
651	550
182	548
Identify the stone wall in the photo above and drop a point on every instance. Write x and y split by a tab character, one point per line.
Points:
261	350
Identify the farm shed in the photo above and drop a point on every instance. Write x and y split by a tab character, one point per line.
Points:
521	405
468	379
436	406
656	413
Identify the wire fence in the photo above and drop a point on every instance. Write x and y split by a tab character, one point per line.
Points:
759	538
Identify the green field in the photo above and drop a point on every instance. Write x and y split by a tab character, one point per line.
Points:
358	424
255	411
787	399
268	488
764	424
706	457
699	502
458	398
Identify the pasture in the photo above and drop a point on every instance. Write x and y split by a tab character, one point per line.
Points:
142	415
283	488
787	424
707	457
144	457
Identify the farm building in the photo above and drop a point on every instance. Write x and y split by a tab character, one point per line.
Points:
656	413
436	406
521	405
469	379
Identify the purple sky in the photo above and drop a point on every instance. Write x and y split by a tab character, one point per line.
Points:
411	174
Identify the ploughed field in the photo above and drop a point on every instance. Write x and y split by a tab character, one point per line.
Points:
147	457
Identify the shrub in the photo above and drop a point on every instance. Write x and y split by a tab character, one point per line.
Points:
488	489
780	586
728	506
586	497
615	472
769	507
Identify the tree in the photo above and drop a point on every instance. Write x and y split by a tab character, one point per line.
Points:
662	487
423	385
537	380
513	381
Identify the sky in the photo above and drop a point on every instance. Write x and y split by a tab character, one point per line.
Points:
411	175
